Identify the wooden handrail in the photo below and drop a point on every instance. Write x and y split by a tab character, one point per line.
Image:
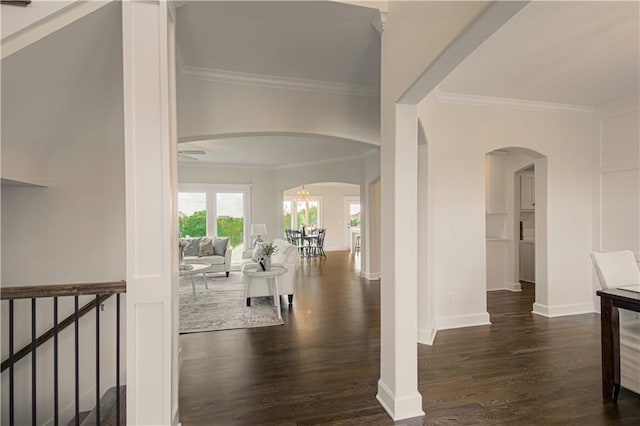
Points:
60	290
23	3
26	350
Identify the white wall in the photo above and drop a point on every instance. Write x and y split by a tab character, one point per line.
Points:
456	183
71	231
213	108
23	167
333	209
616	179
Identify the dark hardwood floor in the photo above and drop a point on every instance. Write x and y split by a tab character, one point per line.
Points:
322	366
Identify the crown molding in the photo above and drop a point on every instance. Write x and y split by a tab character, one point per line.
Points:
379	21
275	82
458	98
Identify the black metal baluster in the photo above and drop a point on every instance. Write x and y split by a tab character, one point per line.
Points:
118	359
98	359
33	362
55	361
11	402
77	341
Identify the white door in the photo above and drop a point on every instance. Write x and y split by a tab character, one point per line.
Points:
352	221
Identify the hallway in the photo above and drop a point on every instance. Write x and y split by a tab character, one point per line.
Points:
322	365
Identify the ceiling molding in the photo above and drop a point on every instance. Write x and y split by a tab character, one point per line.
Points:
379	21
275	82
205	164
458	98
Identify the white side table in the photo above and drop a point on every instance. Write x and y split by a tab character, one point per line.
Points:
272	274
197	268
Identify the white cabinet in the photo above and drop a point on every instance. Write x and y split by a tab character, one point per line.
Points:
527	191
527	261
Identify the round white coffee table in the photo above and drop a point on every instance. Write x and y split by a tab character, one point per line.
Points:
197	268
272	274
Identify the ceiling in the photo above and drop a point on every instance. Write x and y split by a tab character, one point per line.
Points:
314	40
310	40
579	53
274	150
65	86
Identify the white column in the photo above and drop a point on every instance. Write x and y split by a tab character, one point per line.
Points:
398	384
426	329
150	212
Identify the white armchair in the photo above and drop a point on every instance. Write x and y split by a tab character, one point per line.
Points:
260	287
619	269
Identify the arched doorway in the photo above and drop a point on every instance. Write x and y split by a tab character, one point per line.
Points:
515	208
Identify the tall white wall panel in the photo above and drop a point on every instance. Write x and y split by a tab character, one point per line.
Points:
617	180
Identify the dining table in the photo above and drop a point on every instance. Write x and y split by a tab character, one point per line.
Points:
610	301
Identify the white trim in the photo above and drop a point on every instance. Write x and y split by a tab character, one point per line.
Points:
201	163
460	321
277	82
513	287
399	408
562	310
427	337
369	276
459	98
379	21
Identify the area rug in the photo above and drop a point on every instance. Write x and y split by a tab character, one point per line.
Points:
222	306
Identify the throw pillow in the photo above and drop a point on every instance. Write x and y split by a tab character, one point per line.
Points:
193	249
206	247
257	252
220	246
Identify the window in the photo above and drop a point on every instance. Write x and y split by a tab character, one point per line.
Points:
298	213
286	216
215	210
230	221
192	214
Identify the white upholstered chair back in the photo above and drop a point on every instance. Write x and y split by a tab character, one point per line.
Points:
616	268
619	269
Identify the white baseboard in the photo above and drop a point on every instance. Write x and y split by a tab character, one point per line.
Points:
426	337
513	287
399	408
460	321
370	276
562	310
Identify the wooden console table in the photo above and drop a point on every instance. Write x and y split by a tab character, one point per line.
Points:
610	301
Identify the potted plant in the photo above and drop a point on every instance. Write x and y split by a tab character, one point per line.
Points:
268	249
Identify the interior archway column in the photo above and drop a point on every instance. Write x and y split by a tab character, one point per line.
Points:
151	223
398	384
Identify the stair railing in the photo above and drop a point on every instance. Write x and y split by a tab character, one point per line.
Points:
101	292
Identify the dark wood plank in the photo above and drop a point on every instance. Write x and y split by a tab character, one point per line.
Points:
59	290
322	366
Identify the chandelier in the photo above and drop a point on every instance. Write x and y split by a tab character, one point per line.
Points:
302	196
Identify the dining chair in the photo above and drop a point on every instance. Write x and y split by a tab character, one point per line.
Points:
321	234
619	269
298	241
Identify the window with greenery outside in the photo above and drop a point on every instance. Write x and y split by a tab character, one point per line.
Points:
194	225
231	227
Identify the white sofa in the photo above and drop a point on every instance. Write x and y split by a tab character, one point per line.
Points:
218	263
260	287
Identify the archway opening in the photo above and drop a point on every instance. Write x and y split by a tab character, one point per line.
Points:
515	208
